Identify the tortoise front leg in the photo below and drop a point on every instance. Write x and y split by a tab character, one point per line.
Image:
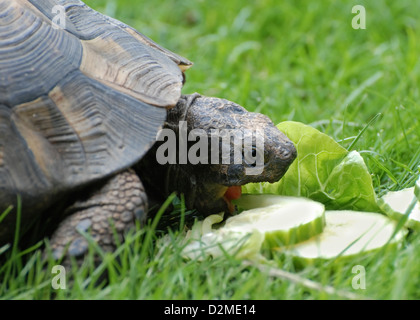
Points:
109	209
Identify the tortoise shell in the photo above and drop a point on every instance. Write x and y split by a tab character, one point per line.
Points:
79	100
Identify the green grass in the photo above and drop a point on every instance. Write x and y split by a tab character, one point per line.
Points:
292	60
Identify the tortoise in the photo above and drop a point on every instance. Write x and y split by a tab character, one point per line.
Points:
83	101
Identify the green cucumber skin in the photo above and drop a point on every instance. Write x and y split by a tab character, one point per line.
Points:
417	189
397	216
276	239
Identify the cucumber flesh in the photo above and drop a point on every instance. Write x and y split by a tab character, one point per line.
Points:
347	234
396	203
283	220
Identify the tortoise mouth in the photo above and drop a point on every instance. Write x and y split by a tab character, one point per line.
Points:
232	193
214	198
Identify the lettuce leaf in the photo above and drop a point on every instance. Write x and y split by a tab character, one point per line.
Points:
323	171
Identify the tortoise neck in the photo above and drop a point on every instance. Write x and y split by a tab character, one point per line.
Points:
180	111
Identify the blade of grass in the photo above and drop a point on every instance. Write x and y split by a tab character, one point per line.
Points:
363	131
294	278
152	228
5	213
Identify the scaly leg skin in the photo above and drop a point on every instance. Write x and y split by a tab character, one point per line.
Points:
109	209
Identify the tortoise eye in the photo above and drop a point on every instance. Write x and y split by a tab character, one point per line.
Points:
254	152
250	156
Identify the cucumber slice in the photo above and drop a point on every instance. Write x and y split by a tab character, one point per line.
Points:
347	234
396	203
283	220
280	221
417	189
203	241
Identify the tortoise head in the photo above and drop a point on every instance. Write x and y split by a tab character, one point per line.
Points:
211	144
209	147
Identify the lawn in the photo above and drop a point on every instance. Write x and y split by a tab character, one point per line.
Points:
291	60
